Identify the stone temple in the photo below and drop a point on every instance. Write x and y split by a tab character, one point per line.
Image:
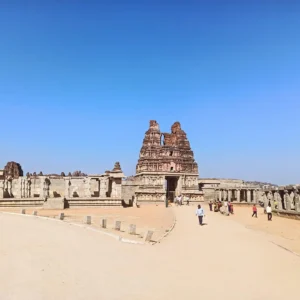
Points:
166	167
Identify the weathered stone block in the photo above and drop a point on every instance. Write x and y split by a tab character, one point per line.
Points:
103	223
148	236
132	229
23	211
118	225
34	213
88	220
61	216
54	203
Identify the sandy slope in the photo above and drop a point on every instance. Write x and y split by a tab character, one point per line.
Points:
43	259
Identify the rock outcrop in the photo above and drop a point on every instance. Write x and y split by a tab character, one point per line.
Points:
13	170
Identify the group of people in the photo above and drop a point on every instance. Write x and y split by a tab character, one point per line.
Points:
217	204
268	211
178	200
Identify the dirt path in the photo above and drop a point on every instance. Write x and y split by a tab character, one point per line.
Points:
282	231
43	259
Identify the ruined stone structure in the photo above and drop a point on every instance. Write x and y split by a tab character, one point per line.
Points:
75	190
229	189
166	167
13	170
286	197
284	200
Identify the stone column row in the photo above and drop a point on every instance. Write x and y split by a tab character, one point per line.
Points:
238	194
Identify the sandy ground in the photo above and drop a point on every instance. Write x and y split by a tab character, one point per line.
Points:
47	259
152	217
281	231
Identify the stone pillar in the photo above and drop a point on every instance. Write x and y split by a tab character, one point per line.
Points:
10	188
179	186
287	200
113	189
248	196
116	188
297	200
254	196
229	195
42	188
26	187
220	195
87	188
18	188
279	200
47	188
23	183
265	199
238	195
103	187
67	191
1	189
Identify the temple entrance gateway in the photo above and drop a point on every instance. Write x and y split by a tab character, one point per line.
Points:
171	187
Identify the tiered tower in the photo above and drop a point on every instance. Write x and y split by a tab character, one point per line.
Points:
166	152
166	166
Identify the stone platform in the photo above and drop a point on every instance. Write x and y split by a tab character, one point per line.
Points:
60	203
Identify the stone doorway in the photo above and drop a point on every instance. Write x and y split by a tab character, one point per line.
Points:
171	187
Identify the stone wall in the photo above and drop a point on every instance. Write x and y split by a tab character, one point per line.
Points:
38	189
129	188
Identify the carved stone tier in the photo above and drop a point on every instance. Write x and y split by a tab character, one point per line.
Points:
166	167
13	170
166	152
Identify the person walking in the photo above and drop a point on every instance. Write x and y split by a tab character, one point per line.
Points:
200	214
269	212
254	210
210	205
187	200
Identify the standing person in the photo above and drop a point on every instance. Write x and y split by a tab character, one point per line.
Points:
176	200
225	203
187	200
210	205
200	214
269	212
231	208
254	210
180	199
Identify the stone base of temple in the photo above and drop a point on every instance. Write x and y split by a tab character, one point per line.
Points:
78	202
156	197
60	203
21	202
54	203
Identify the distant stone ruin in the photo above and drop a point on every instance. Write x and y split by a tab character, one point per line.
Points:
13	170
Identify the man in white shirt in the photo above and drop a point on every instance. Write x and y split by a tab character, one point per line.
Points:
269	212
200	214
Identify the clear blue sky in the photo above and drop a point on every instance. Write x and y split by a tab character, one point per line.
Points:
80	80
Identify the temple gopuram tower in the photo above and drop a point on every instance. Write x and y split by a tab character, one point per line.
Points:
166	167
